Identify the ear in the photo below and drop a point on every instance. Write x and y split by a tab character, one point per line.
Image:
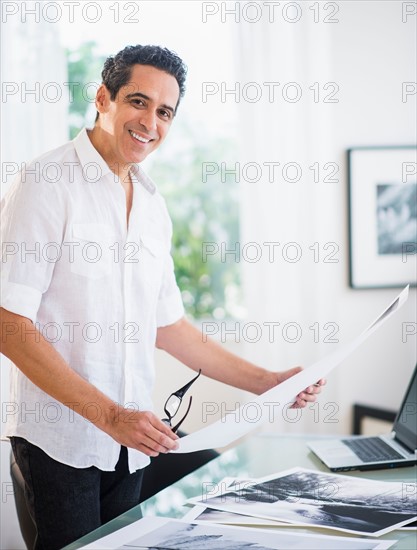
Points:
102	101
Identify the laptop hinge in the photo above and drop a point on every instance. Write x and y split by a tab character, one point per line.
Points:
402	444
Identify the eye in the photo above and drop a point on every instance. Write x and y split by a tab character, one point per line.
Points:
138	102
165	113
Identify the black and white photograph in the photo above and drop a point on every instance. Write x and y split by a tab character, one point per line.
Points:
211	515
330	501
396	216
176	535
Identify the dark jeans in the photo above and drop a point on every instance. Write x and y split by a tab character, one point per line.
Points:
67	503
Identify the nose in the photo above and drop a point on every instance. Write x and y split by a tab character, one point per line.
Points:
148	119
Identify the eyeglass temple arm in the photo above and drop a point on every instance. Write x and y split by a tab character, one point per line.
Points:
176	427
181	392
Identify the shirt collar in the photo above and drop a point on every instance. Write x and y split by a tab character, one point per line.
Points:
88	154
143	179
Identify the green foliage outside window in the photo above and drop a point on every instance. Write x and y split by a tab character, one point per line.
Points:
205	220
201	212
84	74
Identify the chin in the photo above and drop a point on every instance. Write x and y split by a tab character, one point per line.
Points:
139	159
135	158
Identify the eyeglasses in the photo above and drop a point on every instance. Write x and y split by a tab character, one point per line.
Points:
173	403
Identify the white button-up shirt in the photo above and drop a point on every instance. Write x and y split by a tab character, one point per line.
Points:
96	288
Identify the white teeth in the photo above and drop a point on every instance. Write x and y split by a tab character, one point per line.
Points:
139	138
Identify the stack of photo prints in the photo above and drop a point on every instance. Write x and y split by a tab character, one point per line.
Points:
241	514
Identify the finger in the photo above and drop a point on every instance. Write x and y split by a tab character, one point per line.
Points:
299	404
155	444
158	426
314	389
308	397
162	442
146	450
159	439
164	428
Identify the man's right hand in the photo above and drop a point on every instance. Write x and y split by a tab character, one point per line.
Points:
142	431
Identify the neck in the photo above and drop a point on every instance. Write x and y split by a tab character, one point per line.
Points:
97	138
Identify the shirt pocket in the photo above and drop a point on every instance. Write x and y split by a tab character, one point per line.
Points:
154	246
92	250
152	257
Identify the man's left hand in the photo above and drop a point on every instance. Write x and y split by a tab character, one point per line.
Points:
309	395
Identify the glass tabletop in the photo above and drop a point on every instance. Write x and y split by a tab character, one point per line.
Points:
257	456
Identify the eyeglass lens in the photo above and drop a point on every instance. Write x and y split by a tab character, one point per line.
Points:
172	405
176	427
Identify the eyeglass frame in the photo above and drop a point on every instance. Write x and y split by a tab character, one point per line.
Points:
179	394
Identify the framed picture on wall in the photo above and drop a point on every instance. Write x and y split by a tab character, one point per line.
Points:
382	185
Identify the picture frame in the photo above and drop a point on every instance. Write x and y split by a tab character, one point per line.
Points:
382	202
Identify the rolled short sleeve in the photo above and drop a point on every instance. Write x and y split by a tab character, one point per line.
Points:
170	307
33	218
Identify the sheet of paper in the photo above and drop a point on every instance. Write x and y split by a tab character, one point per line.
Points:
235	425
211	515
172	534
329	501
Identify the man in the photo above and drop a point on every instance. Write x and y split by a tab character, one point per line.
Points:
88	291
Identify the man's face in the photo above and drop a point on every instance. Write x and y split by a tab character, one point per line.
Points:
138	120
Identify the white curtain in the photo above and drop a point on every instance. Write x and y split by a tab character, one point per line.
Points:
35	96
352	62
31	59
295	214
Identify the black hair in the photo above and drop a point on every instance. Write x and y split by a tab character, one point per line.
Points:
117	69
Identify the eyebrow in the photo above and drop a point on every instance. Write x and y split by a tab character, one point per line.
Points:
143	96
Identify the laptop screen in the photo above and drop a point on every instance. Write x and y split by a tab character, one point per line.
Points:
405	425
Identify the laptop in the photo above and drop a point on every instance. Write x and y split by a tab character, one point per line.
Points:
399	448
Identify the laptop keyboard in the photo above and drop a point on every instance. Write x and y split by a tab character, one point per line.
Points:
371	449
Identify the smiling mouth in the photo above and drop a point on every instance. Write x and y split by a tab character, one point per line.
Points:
139	138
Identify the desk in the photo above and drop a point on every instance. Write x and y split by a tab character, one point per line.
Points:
259	455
